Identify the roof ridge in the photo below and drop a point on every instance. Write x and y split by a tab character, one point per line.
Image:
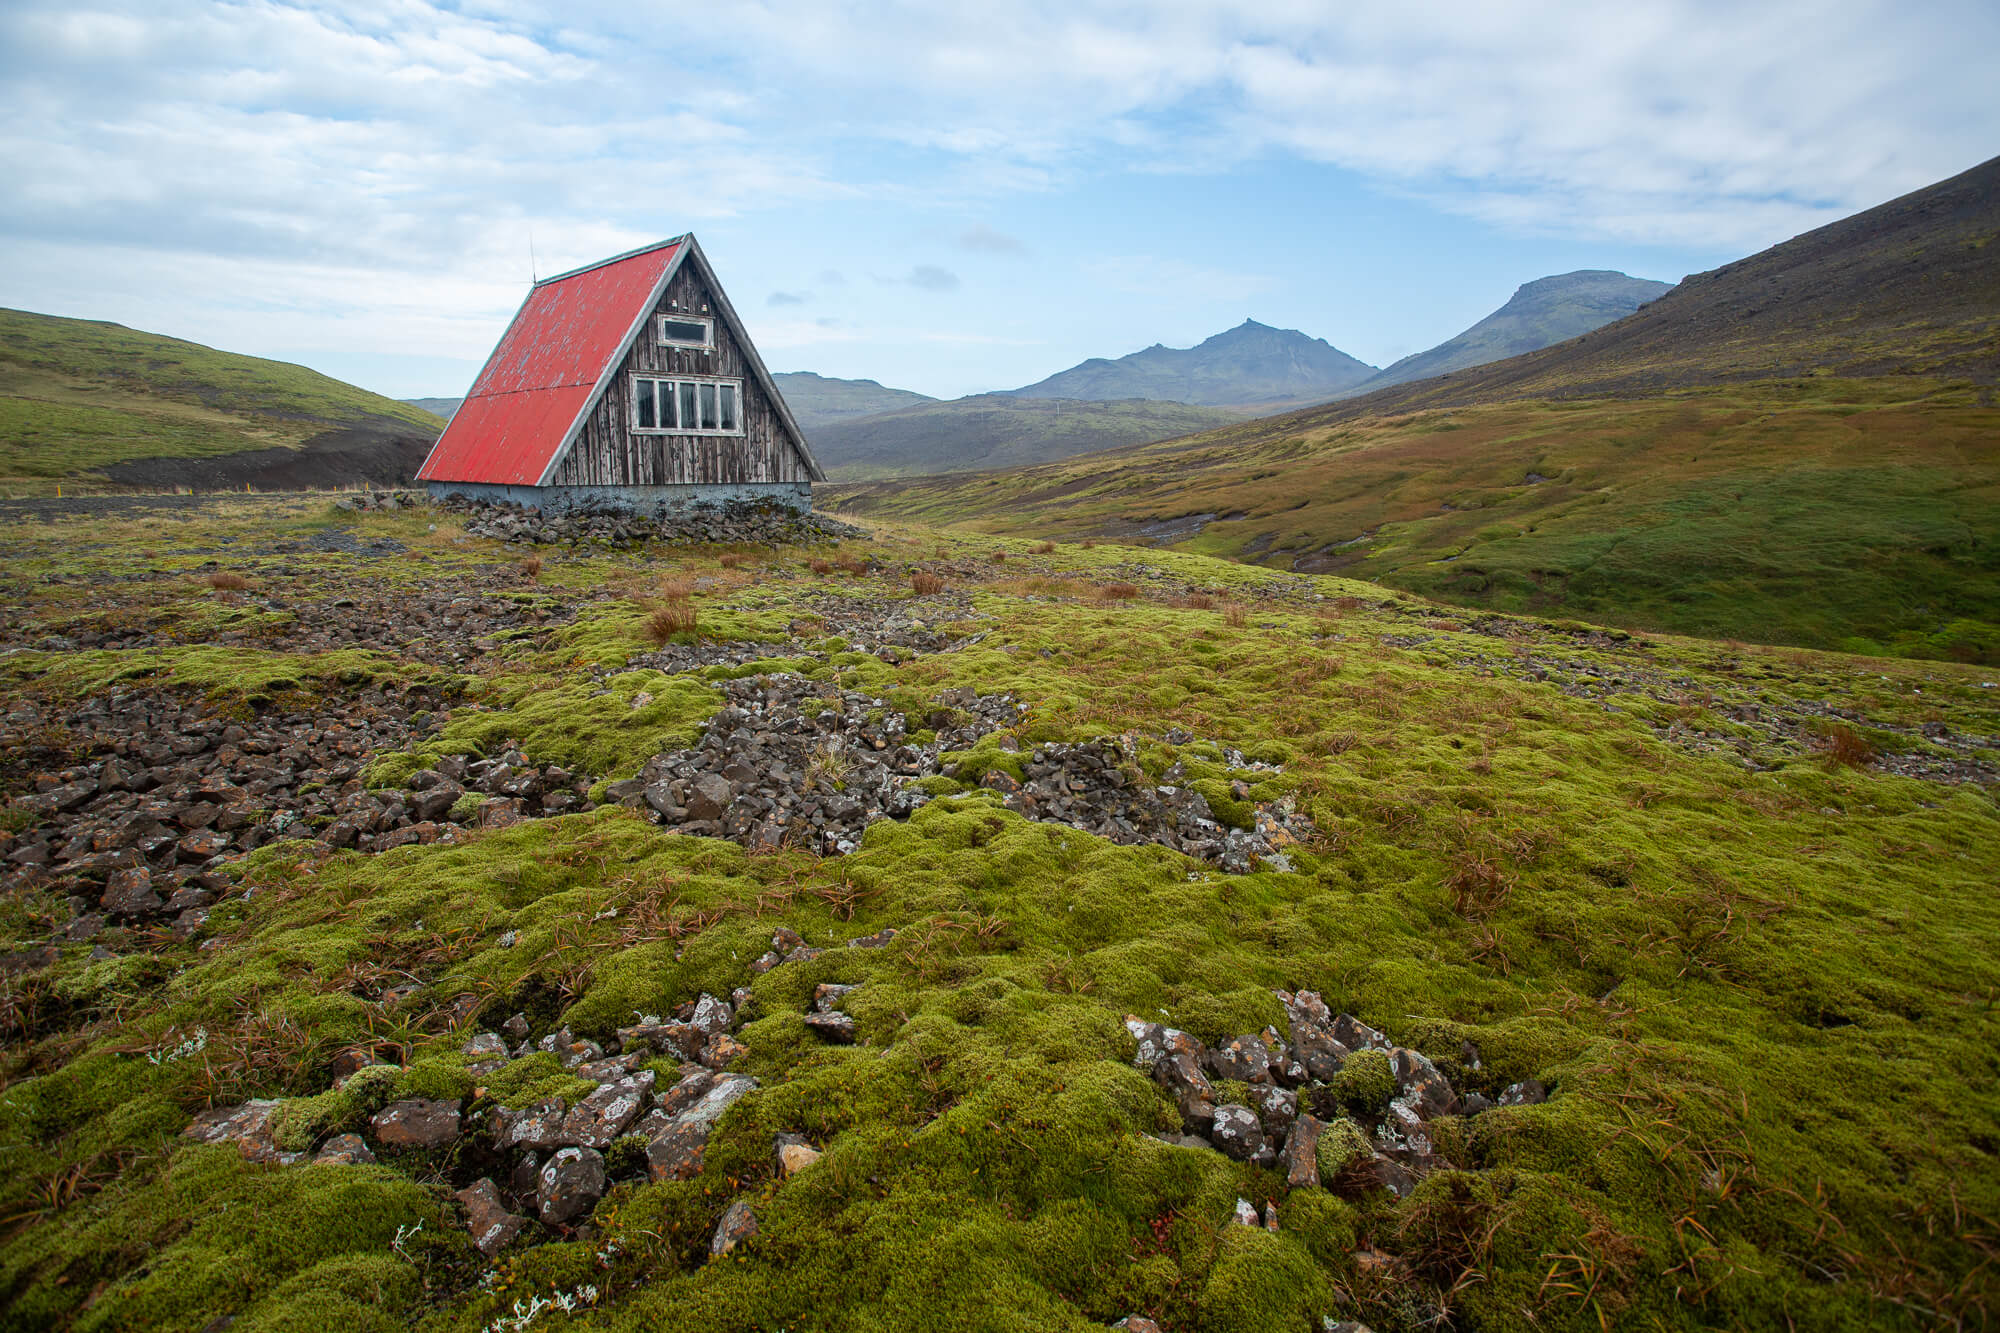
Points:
614	259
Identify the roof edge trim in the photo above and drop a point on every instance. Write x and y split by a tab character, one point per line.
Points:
644	249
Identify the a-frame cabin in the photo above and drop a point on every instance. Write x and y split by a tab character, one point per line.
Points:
626	384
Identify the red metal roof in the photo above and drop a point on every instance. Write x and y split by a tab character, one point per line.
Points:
546	370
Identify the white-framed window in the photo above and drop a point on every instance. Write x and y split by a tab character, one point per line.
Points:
686	405
697	331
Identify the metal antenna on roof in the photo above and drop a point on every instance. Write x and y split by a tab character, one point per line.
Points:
533	276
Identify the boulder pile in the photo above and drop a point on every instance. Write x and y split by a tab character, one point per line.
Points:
1334	1104
552	1160
182	789
788	761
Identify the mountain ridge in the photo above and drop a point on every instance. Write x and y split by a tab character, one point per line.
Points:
1251	363
1542	312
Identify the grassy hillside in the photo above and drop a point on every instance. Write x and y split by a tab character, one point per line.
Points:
1820	512
1730	907
994	430
78	396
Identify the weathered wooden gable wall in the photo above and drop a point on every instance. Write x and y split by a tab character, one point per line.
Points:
609	453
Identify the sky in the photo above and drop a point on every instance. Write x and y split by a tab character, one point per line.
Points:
943	196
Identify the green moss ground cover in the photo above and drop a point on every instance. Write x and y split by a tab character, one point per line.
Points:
1762	993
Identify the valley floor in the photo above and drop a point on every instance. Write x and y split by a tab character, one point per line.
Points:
404	929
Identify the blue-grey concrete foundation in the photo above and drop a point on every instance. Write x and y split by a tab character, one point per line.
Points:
650	500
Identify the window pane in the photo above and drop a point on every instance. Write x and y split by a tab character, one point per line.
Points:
666	404
729	421
708	416
646	405
693	331
687	407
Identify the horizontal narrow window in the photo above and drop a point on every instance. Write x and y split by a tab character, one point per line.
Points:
686	405
682	331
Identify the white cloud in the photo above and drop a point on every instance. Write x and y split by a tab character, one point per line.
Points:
238	160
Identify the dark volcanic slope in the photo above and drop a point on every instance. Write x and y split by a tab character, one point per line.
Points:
1909	288
1251	363
1541	313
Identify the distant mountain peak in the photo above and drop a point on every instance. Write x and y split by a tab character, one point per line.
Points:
1250	363
1540	313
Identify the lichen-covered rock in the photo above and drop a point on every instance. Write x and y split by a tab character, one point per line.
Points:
416	1124
1528	1092
794	1154
1277	1108
344	1150
1300	1159
601	1117
675	1144
129	892
1356	1035
539	1126
1421	1085
492	1226
1241	1059
722	1051
1238	1134
1314	1048
738	1225
836	1027
711	1015
1245	1214
570	1184
247	1125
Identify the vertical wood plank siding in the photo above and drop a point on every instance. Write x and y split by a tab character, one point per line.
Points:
609	453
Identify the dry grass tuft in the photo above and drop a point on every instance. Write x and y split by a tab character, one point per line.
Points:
1348	603
531	568
676	587
1845	745
223	580
926	584
666	620
1042	548
819	566
1235	616
854	566
998	557
1117	592
731	560
1478	884
1197	601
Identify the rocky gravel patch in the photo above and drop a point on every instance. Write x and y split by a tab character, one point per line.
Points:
173	789
731	523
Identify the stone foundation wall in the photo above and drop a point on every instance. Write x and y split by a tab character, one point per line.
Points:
651	500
